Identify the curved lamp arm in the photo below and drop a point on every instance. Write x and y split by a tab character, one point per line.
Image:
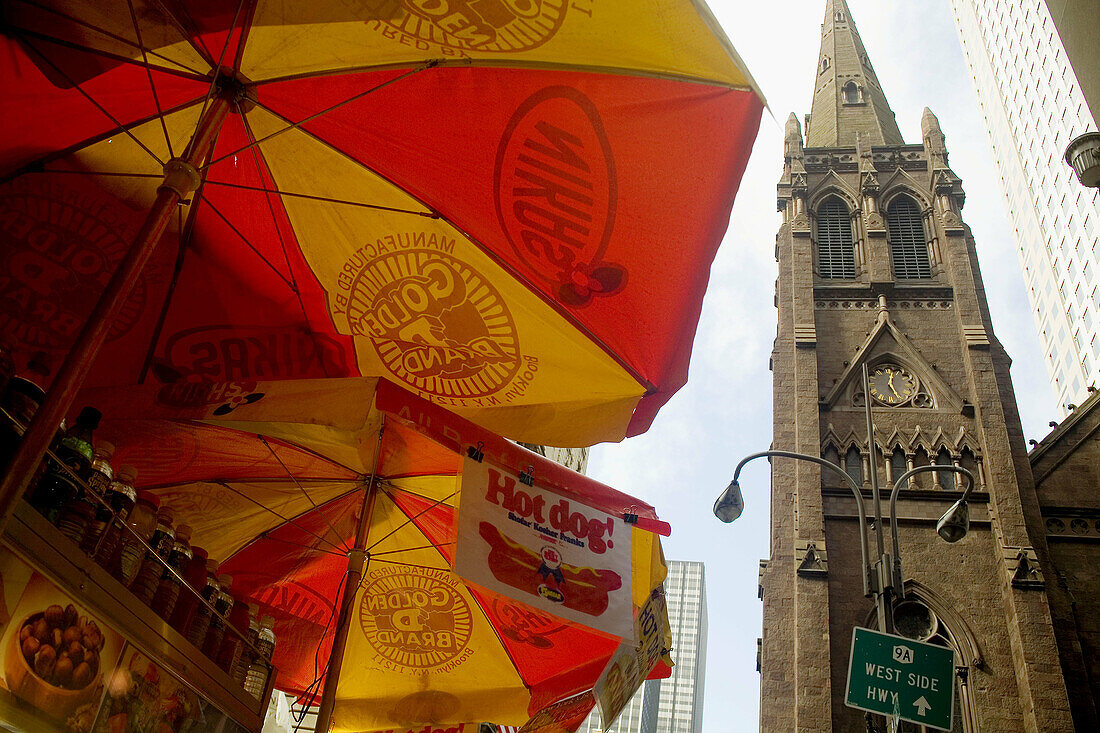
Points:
902	481
835	468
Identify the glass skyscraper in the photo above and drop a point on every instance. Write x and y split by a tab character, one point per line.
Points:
1033	106
673	705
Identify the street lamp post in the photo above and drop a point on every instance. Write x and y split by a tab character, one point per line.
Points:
882	578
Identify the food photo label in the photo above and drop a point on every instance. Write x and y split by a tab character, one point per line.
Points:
548	551
57	658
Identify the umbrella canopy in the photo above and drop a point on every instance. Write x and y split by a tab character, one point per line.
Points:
508	206
273	477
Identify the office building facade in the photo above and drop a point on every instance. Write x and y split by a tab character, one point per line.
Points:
1033	106
675	704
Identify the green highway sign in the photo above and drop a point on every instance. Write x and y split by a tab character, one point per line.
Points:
895	676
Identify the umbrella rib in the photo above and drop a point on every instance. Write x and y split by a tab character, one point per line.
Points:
102	109
512	64
413	549
290	521
38	165
249	244
263	167
104	174
221	57
108	34
149	76
286	520
184	231
326	199
256	158
312	548
300	487
409	520
503	645
265	480
315	115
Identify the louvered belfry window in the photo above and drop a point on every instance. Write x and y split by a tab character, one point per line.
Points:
835	253
908	246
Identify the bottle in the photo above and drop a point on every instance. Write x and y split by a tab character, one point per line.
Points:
229	655
7	366
248	650
78	515
188	601
122	497
168	590
200	622
212	644
142	522
100	482
58	487
20	400
256	680
152	567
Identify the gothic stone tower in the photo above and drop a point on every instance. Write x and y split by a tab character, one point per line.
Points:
877	267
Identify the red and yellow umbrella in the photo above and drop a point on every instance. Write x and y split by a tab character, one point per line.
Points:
275	479
509	207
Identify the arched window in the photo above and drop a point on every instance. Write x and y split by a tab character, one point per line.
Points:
947	478
915	620
898	466
908	244
828	477
969	461
852	94
920	458
853	465
824	63
835	250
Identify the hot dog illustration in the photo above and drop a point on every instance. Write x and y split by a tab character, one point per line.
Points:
580	589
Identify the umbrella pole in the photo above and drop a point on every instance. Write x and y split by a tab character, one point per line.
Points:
356	560
181	177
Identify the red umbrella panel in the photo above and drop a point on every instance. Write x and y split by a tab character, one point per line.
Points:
274	478
508	208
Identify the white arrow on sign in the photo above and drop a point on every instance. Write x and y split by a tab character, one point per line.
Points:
922	706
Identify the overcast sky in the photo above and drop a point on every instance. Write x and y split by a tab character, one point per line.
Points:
724	413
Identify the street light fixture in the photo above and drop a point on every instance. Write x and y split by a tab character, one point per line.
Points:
955	522
730	504
1083	155
882	578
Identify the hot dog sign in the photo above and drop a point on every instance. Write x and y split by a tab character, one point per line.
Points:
545	550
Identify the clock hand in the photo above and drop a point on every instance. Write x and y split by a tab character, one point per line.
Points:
891	383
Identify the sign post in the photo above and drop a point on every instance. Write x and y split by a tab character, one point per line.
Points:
907	679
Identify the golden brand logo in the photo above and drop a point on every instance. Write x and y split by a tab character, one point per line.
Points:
471	25
415	619
58	249
436	323
556	193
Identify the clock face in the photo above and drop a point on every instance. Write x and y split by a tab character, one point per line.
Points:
892	385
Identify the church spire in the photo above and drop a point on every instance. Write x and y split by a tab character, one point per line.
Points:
848	100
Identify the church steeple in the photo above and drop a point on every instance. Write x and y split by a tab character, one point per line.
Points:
848	99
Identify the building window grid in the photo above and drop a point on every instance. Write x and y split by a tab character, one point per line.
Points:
1052	62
